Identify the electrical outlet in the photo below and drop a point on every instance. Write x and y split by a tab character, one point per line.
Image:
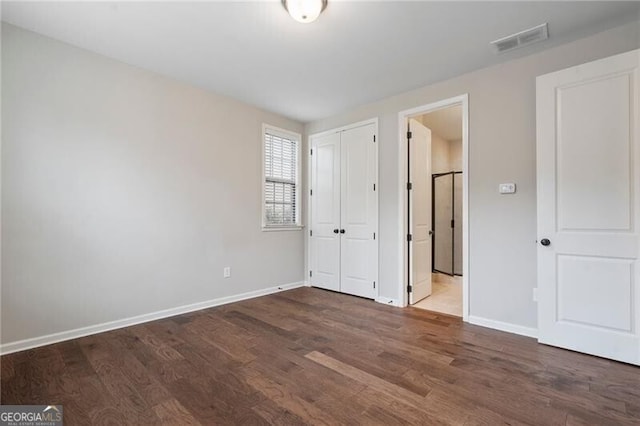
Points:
226	271
507	188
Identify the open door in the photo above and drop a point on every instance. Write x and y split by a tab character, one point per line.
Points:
589	208
420	211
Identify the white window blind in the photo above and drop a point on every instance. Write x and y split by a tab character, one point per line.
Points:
280	179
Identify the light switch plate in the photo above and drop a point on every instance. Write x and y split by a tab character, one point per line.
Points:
507	188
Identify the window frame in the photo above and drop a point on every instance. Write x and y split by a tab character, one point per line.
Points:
297	137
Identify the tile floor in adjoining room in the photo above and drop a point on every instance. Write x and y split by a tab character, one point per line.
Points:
446	296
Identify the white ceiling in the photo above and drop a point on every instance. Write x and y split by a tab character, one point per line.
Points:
357	51
445	122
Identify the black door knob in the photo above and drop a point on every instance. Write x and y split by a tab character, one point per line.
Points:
335	231
342	231
545	242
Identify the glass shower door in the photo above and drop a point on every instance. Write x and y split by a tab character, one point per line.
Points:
447	223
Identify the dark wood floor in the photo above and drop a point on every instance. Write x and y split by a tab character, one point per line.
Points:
311	356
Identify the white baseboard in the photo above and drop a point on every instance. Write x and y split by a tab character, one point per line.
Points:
35	342
387	301
504	326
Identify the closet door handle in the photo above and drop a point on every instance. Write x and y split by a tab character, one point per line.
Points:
335	231
342	231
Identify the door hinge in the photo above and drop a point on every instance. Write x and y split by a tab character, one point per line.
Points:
409	134
409	186
374	284
311	151
311	192
374	186
410	289
310	273
310	233
374	235
453	222
408	237
374	138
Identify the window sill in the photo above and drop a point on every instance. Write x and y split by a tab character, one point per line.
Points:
282	228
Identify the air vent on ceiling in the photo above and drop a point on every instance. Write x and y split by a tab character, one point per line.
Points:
521	39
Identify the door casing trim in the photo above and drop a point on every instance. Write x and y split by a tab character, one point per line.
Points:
403	117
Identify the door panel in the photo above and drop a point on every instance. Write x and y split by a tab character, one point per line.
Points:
359	212
589	208
420	215
325	212
580	296
594	190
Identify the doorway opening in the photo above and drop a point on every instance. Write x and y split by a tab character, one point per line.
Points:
434	154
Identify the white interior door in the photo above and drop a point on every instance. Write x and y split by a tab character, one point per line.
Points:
325	212
420	213
589	208
358	248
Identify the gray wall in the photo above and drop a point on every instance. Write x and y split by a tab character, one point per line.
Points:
440	154
502	149
124	192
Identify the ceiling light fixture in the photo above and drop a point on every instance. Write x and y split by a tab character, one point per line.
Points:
304	11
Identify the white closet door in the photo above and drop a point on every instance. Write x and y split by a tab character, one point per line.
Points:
359	258
420	246
325	212
589	208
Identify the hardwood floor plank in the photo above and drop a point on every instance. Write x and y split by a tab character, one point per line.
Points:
376	415
23	387
212	401
409	413
163	350
129	398
276	415
93	398
7	372
104	415
366	379
504	397
376	366
171	412
228	342
75	362
285	398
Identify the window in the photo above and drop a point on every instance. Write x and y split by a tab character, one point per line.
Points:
281	179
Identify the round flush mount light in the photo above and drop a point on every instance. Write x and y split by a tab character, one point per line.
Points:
304	11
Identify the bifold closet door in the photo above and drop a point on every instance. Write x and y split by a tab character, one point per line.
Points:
325	213
344	212
358	218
